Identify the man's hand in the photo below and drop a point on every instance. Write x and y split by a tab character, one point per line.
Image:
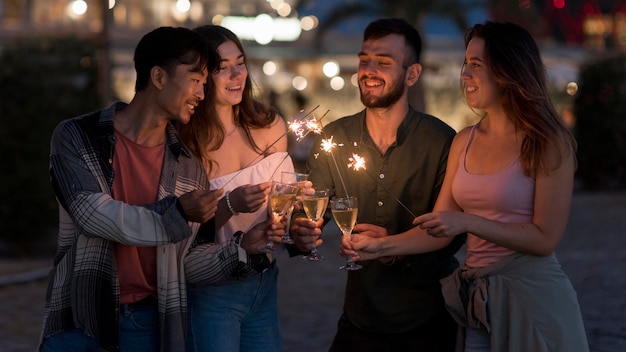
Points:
200	205
306	233
261	233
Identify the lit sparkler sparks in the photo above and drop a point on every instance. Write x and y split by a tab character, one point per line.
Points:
328	145
311	124
302	127
357	162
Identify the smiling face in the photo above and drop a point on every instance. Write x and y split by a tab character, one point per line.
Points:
182	91
381	71
480	89
230	80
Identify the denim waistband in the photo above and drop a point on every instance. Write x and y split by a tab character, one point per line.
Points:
149	301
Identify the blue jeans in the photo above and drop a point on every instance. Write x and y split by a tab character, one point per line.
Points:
139	331
476	341
140	328
241	316
70	340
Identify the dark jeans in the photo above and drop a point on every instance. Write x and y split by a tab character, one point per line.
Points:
139	331
436	335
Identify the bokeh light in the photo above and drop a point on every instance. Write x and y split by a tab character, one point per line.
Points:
337	83
330	69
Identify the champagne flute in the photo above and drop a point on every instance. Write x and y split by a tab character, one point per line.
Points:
282	196
345	211
315	206
298	179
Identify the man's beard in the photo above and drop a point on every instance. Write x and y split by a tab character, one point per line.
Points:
385	100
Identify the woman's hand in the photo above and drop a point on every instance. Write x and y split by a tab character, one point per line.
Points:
442	223
261	233
249	198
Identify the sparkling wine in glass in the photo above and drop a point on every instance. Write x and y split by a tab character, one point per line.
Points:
297	179
345	211
315	206
282	196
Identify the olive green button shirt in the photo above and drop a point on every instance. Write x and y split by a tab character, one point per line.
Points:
398	297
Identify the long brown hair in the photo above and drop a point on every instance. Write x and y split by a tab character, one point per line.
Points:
204	132
515	62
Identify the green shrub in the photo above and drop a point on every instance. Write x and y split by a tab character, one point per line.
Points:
600	110
43	80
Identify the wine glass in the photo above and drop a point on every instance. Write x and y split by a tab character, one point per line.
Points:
345	211
298	179
282	196
315	204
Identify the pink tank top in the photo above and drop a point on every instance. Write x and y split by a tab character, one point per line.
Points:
505	196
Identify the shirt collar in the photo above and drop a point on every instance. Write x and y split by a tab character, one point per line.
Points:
106	130
401	133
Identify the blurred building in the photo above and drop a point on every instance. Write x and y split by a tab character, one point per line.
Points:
290	69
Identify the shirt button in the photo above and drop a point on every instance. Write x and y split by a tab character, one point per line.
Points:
380	203
381	176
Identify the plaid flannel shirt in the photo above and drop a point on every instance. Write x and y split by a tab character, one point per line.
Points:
83	285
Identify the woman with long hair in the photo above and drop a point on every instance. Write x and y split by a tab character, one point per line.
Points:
243	146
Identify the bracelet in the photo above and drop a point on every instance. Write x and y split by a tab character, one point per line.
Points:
230	206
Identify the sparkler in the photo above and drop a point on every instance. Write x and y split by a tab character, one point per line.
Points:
301	128
264	153
357	162
328	145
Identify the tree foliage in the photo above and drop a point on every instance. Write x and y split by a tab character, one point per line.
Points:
43	80
600	110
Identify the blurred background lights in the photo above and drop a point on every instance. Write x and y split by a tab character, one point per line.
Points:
284	10
572	88
78	7
330	69
559	4
354	79
217	20
337	83
196	11
269	68
264	29
308	22
299	83
275	4
183	5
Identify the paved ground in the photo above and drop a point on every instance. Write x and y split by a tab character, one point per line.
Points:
593	254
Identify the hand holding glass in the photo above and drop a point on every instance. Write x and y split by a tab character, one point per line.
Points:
345	211
282	196
297	179
315	204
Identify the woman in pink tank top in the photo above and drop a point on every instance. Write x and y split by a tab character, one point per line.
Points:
508	185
